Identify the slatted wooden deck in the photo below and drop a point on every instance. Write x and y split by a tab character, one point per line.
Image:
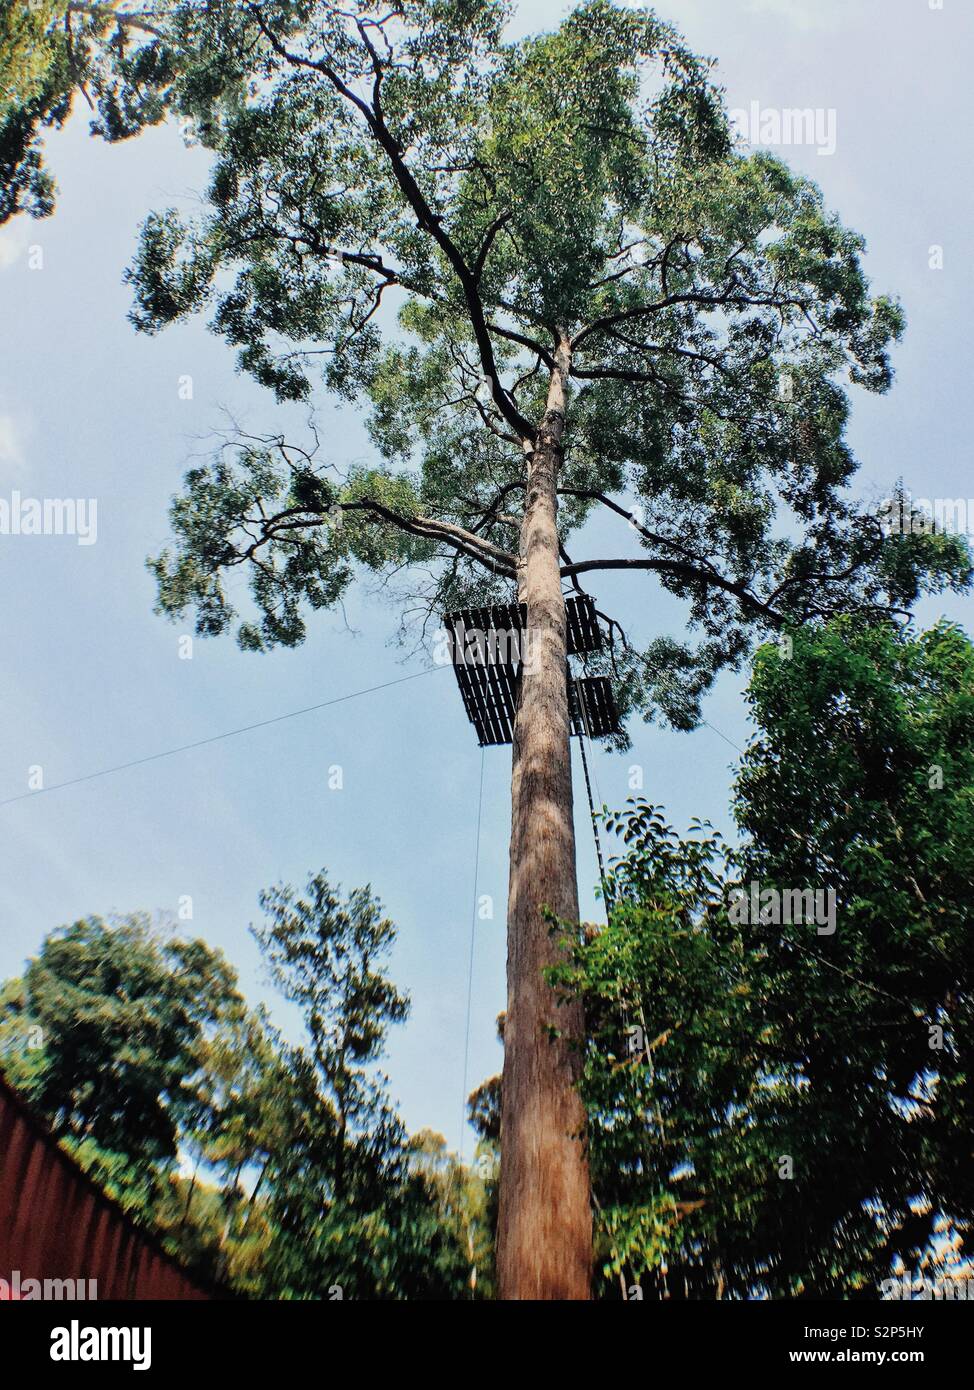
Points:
486	646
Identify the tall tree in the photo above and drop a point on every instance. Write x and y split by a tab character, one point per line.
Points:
602	306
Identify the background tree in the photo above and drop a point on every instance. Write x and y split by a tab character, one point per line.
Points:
140	1051
326	956
717	1048
123	1011
21	1037
359	1206
464	1220
601	306
878	729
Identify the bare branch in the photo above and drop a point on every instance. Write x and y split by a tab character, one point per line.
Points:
683	569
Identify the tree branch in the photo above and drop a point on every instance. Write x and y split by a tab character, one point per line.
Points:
732	296
467	543
427	220
123	18
683	569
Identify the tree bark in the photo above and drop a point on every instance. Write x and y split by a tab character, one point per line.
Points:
544	1238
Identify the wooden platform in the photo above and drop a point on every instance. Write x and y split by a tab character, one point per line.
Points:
486	647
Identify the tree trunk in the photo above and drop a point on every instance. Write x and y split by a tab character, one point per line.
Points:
544	1237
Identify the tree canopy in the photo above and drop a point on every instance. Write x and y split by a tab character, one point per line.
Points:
415	210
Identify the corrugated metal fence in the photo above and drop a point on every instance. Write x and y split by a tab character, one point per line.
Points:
55	1223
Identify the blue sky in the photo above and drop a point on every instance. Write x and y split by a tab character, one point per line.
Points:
93	679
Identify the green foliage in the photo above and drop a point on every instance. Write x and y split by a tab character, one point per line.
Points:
50	50
123	1011
34	93
27	49
759	1042
459	1216
878	730
137	1047
413	210
356	1205
326	955
667	1104
21	1037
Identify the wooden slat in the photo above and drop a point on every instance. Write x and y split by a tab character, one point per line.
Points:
486	650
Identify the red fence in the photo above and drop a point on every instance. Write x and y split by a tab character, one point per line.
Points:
56	1225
